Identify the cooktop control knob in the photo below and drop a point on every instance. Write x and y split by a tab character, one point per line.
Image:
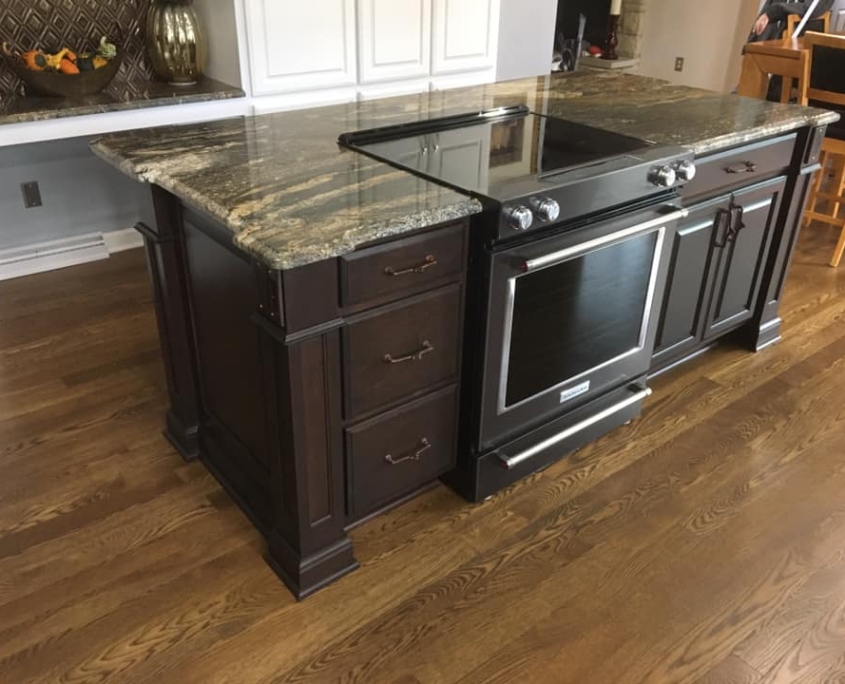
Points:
547	209
663	176
520	218
685	171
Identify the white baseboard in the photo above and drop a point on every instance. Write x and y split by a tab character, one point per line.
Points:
48	256
121	240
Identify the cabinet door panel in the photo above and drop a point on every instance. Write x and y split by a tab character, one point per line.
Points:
465	35
687	290
395	39
467	159
737	284
301	45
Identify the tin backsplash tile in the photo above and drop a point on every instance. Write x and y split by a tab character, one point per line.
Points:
79	24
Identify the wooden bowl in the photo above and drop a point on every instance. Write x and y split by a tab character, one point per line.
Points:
55	84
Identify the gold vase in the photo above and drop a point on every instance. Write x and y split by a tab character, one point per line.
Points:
176	41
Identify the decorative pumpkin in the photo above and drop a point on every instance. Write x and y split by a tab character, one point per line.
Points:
35	60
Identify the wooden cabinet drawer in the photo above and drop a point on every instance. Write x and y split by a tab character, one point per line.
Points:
402	349
399	451
395	269
741	167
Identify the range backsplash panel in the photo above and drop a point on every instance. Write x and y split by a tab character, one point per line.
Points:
79	24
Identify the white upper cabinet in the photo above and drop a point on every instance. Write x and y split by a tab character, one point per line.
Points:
300	45
395	39
465	34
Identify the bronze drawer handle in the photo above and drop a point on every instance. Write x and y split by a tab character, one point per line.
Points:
429	262
745	167
425	445
414	356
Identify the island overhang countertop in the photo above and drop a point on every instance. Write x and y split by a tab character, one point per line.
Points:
292	196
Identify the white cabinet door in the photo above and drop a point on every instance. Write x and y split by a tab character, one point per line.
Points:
301	44
465	34
459	157
394	39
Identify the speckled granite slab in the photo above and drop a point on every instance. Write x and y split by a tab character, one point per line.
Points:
16	109
291	196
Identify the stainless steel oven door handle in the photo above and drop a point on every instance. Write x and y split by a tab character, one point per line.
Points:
513	461
569	252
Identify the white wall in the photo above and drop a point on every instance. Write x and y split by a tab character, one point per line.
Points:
221	25
526	38
80	193
708	35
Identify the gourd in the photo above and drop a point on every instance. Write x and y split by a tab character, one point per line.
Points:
35	60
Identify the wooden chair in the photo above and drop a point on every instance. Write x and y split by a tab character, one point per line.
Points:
826	88
820	24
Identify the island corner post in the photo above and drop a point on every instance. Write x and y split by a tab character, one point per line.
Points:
293	490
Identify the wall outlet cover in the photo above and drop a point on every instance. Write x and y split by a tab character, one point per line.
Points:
679	63
31	194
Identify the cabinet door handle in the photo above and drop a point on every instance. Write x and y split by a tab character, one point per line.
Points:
413	356
425	445
734	214
429	262
745	167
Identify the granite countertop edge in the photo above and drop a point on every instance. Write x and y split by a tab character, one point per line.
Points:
246	236
118	106
723	142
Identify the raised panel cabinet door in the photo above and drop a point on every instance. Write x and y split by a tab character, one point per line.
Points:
460	158
464	35
681	324
394	39
743	258
298	46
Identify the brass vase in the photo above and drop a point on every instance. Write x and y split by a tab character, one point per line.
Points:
176	41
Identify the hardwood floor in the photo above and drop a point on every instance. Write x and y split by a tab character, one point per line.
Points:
704	543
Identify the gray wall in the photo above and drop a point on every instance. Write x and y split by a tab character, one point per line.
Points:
81	194
526	38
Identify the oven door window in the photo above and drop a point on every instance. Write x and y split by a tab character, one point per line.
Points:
574	317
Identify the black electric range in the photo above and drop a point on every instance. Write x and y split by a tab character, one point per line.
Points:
567	264
536	170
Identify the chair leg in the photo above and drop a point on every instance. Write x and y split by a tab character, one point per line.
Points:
816	187
840	249
838	181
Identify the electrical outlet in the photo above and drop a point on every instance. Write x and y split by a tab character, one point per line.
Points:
679	63
31	195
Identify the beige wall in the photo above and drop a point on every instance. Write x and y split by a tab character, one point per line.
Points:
708	34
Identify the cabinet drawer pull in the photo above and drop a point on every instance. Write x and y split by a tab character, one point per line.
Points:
425	445
429	262
745	167
414	356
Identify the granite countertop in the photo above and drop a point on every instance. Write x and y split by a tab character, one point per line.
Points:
292	196
16	109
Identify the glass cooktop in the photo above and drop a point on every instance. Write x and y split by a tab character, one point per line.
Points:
475	152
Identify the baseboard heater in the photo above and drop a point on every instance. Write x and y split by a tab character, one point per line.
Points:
16	262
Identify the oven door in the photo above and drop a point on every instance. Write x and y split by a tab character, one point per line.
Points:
570	317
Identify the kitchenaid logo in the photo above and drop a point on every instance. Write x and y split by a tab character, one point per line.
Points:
577	391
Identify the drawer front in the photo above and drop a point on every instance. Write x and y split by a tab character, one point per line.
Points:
741	167
401	350
397	268
397	452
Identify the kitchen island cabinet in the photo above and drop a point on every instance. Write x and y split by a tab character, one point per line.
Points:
311	300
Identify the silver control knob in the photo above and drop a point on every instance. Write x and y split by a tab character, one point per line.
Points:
547	209
662	176
685	171
520	218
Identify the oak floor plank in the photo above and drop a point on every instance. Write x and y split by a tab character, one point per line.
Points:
702	543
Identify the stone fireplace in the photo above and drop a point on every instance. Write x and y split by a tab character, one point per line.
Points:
632	27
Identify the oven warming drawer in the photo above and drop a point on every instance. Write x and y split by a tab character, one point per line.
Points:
539	448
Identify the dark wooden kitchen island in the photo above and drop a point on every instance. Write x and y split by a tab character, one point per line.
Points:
291	276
